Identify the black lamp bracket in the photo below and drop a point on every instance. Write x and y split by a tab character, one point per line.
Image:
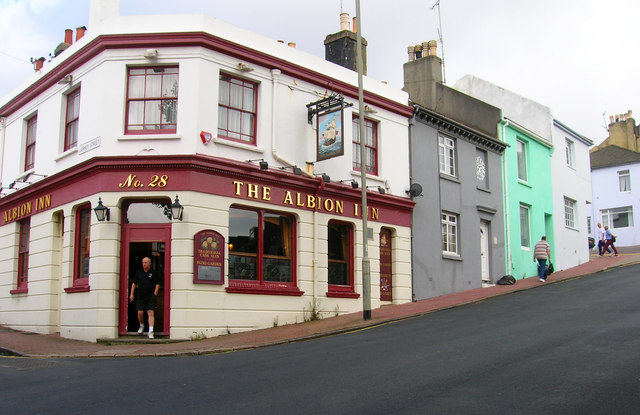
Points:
325	104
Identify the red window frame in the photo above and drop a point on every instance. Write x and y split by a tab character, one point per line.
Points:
244	107
30	143
81	254
166	95
23	257
371	144
343	231
72	120
257	259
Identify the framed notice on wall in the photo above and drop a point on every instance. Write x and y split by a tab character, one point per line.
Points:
330	141
208	257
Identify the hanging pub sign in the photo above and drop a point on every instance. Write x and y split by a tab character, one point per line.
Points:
330	141
208	257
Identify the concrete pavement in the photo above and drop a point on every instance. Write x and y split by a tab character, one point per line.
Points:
17	343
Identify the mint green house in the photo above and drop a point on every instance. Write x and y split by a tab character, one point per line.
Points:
528	196
526	127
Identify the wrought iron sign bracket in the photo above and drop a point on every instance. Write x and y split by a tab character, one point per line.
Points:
326	104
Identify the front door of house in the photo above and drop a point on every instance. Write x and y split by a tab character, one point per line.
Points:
484	251
146	232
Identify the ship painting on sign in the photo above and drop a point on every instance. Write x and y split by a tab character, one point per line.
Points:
330	135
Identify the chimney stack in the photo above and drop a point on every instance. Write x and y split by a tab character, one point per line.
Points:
68	40
340	48
39	63
422	73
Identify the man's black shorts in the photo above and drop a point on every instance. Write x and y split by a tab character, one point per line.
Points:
146	303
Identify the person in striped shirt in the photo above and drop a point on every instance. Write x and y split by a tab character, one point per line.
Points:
541	253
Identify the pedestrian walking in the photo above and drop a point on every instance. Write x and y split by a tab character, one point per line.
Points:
144	290
600	234
541	253
610	239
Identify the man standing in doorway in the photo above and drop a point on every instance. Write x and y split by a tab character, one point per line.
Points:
541	253
144	289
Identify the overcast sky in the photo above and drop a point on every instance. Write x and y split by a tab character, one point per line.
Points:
579	57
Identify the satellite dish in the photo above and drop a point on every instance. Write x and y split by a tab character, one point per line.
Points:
415	190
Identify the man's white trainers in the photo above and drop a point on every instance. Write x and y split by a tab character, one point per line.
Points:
141	329
151	335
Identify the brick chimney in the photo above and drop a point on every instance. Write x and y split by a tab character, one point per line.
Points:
68	40
340	48
80	31
38	64
623	132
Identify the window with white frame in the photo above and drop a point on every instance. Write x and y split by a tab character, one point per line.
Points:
447	155
570	213
621	217
570	152
449	233
521	148
30	143
72	120
624	179
525	234
152	100
370	143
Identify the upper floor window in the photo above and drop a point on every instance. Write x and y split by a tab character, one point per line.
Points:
570	152
617	217
340	260
525	234
569	212
449	233
624	179
447	155
30	143
24	229
72	118
370	143
521	148
261	252
152	100
237	109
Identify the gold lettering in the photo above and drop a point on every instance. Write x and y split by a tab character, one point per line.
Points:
328	205
288	200
266	193
43	202
339	207
356	207
252	191
374	213
238	186
128	181
311	202
298	201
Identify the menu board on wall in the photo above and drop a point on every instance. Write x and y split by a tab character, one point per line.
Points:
208	257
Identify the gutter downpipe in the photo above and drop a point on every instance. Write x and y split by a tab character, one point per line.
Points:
3	129
275	75
505	191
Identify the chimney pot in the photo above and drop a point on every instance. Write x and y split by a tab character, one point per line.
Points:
410	51
80	31
355	25
291	44
39	63
344	21
68	36
433	47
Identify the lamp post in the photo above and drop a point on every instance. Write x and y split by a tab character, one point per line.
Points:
366	264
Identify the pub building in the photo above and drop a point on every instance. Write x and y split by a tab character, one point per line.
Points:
229	159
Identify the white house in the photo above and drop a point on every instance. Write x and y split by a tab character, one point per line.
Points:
145	114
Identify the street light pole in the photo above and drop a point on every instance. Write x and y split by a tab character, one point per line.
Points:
366	265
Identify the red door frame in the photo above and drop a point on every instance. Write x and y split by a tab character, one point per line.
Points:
153	232
386	265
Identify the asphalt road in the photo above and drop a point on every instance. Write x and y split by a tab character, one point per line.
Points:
566	348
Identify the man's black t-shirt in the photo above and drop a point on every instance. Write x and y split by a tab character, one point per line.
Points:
146	282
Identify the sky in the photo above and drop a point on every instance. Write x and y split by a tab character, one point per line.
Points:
578	57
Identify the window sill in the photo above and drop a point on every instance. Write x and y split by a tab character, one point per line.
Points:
236	144
67	153
77	289
342	294
453	257
263	289
448	177
522	182
483	189
150	136
19	291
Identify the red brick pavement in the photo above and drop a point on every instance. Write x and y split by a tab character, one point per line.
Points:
35	345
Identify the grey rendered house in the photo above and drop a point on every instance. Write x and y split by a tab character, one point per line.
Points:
458	224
